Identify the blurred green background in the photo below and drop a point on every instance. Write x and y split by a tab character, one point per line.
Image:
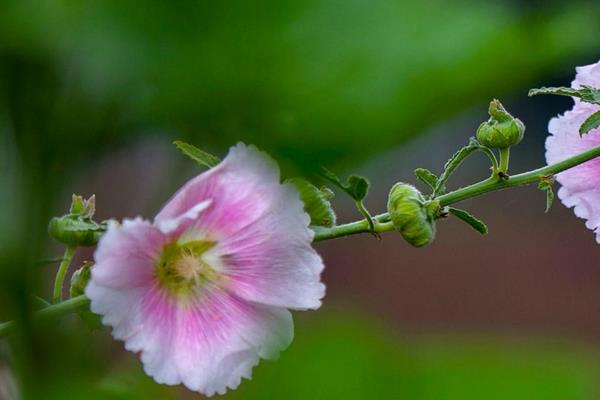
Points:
93	93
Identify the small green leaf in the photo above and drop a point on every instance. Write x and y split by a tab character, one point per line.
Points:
453	163
316	203
356	186
475	223
586	93
592	122
427	177
545	185
201	157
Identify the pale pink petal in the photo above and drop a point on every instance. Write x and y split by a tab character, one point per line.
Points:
127	254
210	338
580	185
271	261
587	75
241	189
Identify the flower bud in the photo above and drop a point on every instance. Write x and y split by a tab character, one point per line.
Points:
502	130
77	228
80	279
412	215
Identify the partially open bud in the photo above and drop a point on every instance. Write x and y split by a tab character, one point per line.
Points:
80	279
77	228
502	130
412	215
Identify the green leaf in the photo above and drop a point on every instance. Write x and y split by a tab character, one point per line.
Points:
316	203
586	93
592	122
201	157
427	177
475	223
356	186
453	163
545	185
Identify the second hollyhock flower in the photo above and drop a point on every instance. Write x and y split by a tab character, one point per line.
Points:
580	186
203	292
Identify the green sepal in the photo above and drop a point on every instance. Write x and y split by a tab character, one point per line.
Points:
501	130
316	202
467	217
80	279
427	177
77	228
587	94
412	215
200	156
545	185
592	122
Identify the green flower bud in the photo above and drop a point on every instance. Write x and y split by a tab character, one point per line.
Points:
80	279
412	215
502	130
77	228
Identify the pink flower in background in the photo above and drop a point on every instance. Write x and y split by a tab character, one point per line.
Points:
203	292
580	185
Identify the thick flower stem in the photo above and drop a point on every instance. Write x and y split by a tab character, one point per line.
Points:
504	159
54	310
62	272
488	185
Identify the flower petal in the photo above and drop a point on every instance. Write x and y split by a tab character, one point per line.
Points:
271	261
580	185
127	253
241	189
209	345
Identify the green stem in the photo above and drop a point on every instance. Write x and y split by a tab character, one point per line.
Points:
504	159
479	188
62	272
365	213
381	223
54	310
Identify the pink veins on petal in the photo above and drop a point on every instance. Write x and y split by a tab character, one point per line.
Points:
205	291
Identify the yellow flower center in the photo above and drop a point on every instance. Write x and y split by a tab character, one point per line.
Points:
181	268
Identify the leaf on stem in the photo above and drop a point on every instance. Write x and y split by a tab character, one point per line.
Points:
427	177
200	156
453	163
545	185
316	203
474	222
585	93
357	187
592	122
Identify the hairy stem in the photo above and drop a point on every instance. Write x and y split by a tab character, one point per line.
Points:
477	189
62	272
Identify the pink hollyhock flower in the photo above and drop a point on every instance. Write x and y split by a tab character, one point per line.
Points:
580	185
203	292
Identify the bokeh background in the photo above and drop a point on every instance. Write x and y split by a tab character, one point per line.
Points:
93	93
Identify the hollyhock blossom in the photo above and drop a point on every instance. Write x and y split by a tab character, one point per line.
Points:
203	292
580	186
